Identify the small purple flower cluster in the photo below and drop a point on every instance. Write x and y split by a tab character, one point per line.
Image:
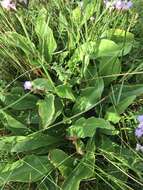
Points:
139	129
118	4
139	133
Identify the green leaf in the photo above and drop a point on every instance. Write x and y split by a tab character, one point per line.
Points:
106	48
47	43
125	91
124	96
123	38
27	143
21	101
103	48
43	85
49	109
122	105
62	161
87	127
84	170
65	91
29	169
89	96
13	124
113	117
109	66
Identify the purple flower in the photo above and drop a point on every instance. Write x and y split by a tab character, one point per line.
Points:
128	5
139	130
118	4
140	118
27	85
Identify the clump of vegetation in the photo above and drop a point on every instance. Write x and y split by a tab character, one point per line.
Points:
71	95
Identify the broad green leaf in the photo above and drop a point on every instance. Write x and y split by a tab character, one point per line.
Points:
87	127
89	96
85	49
30	117
43	85
122	105
84	170
50	183
27	143
109	66
47	43
103	48
124	96
62	161
49	109
13	124
21	101
113	117
91	74
106	48
123	38
108	145
65	91
29	169
119	35
125	91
